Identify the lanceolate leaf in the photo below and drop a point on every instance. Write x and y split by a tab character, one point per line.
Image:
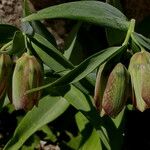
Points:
49	109
143	41
42	30
89	11
49	54
71	40
18	44
83	69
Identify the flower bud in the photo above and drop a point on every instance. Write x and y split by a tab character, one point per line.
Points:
139	69
5	70
116	91
101	81
27	75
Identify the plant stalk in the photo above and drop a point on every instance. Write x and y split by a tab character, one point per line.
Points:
129	32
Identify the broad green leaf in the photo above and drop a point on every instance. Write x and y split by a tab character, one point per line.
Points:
83	69
49	54
49	109
143	41
7	33
83	103
89	11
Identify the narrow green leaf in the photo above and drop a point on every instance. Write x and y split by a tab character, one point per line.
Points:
18	44
49	54
89	11
49	109
71	40
135	46
83	69
45	42
26	8
76	98
42	30
143	41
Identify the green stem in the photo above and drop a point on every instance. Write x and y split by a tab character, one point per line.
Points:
26	44
130	30
6	46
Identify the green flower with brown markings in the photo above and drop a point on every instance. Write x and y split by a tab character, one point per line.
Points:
27	75
139	69
116	92
113	91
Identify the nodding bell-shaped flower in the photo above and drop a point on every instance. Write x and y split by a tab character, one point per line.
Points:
27	75
139	69
115	91
5	70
